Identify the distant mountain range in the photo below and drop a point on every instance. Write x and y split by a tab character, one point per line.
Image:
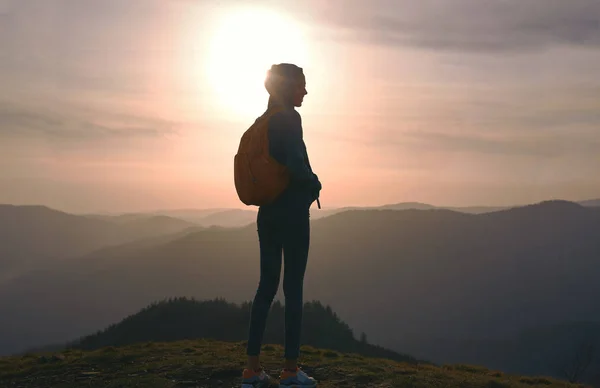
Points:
425	206
33	237
226	218
591	203
231	217
406	278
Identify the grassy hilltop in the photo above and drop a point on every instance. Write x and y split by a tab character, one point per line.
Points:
207	363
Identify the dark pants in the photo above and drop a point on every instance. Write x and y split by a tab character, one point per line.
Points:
289	233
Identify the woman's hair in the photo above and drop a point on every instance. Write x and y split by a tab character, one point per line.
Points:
281	78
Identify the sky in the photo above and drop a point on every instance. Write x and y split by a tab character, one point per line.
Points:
138	105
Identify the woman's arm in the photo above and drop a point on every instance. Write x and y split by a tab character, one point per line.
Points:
285	130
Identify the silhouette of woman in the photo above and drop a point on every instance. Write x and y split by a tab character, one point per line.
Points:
284	227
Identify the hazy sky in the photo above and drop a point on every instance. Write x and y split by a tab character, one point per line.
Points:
127	105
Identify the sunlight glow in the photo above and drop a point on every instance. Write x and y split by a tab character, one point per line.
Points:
243	47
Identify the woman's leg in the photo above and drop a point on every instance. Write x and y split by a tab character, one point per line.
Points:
269	235
296	241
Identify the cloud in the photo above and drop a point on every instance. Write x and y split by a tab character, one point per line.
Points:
477	144
467	25
22	121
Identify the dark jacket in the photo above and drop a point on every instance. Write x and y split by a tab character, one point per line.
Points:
286	145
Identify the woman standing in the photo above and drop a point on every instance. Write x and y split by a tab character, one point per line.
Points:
284	227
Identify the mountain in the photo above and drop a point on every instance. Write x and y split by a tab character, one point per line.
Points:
208	363
191	215
591	203
223	217
150	224
408	206
326	212
34	236
226	218
425	206
182	318
409	279
231	218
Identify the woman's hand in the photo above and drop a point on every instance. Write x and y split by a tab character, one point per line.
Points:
316	188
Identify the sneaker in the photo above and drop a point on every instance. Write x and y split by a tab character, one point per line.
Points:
297	379
254	379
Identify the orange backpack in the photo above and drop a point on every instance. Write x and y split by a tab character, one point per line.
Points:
259	178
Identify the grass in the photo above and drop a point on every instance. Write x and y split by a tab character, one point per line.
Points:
205	363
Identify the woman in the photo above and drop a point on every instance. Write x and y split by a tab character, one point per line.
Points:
283	226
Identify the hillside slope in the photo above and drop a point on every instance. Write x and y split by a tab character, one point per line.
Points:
206	363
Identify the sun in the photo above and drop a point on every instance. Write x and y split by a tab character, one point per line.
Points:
243	47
